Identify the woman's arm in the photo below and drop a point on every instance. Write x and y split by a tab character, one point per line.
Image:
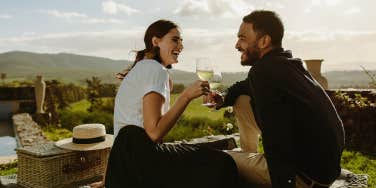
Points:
157	125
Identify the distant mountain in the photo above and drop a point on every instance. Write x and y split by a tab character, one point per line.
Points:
64	66
76	68
342	79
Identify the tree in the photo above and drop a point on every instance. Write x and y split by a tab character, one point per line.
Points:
55	100
372	83
3	76
94	87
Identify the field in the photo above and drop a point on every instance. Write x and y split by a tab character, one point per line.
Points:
194	109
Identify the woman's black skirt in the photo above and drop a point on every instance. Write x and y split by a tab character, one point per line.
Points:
136	161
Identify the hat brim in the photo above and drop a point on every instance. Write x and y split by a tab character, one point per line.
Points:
68	144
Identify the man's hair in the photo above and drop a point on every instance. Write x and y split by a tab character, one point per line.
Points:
267	22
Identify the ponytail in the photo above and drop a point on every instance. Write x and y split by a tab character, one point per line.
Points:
152	53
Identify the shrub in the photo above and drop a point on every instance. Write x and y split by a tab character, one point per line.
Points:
358	116
53	133
70	119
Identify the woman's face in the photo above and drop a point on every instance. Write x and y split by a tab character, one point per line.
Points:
170	47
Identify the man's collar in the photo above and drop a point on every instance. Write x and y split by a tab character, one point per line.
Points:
274	52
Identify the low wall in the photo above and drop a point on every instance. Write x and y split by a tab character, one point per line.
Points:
16	100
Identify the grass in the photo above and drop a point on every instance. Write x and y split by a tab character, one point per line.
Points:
360	164
194	109
83	105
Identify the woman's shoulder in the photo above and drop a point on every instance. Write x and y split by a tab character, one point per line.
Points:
150	64
150	69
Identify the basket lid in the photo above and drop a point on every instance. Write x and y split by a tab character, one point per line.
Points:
42	150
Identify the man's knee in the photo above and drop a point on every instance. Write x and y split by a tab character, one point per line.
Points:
242	103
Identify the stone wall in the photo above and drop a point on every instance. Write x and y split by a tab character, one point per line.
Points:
27	131
357	109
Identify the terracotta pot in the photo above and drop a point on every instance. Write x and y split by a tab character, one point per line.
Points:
314	68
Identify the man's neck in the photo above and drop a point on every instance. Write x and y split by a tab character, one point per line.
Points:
266	50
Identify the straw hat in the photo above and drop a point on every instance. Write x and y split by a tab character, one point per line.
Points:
87	137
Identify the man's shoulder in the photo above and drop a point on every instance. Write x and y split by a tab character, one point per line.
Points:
277	66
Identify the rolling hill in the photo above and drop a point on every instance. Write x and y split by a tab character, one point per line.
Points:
76	68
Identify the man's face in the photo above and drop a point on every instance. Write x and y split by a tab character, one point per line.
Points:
247	44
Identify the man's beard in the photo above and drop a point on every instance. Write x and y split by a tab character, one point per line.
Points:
251	57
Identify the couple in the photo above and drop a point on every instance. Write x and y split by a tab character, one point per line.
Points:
302	134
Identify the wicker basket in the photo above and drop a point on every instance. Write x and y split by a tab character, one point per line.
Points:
46	165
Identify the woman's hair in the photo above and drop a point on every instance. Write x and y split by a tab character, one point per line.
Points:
157	29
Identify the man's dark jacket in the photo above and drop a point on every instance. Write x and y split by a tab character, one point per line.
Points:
301	130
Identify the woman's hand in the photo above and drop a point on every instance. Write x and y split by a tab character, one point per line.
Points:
197	89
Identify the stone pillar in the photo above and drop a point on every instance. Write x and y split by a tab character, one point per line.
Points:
40	92
314	67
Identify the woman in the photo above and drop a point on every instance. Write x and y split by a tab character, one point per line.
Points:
142	118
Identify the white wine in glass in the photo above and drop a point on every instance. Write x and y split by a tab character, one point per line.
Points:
204	69
204	75
216	81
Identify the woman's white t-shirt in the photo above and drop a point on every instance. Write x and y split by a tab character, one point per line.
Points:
145	77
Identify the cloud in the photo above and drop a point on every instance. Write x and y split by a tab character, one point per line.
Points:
325	2
65	15
206	8
353	10
5	16
111	7
341	50
80	17
223	8
113	44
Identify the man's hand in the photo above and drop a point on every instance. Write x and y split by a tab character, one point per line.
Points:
213	98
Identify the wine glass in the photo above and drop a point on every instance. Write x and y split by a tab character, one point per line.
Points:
216	86
216	81
204	69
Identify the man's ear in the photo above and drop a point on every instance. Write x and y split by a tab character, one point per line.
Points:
265	42
155	41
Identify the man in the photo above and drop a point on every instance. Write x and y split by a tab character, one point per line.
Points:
302	134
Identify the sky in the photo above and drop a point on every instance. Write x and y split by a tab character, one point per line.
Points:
342	32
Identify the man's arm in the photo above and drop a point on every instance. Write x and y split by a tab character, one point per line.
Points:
233	92
276	112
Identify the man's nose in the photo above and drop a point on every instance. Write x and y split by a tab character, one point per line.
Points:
237	45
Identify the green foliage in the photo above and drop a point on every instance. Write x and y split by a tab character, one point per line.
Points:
108	90
54	133
70	119
94	87
358	116
8	168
